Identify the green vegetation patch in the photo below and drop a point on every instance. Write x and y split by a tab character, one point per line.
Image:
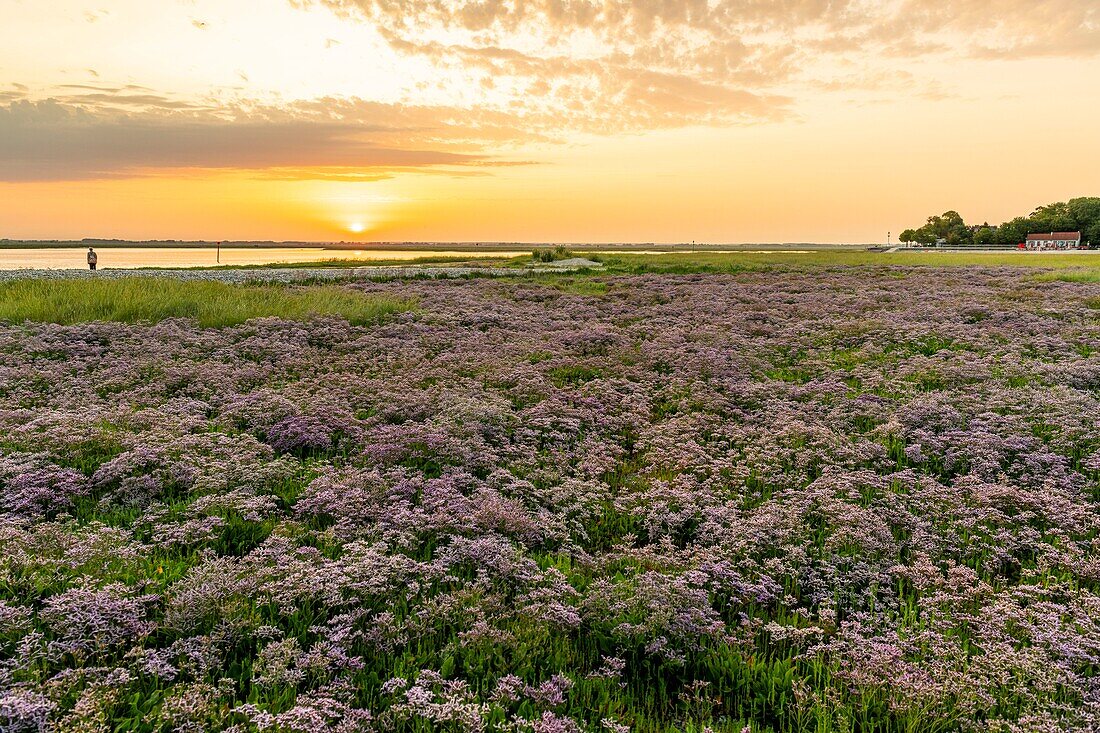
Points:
684	263
548	254
212	304
573	375
582	287
1076	275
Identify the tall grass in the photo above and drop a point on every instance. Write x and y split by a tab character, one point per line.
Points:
547	254
212	304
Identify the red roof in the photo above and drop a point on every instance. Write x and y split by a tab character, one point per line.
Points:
1054	236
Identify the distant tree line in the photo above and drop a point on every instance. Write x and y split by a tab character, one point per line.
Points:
1081	214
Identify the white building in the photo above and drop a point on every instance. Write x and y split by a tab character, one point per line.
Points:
1054	240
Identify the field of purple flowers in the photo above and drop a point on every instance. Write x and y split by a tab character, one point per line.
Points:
848	499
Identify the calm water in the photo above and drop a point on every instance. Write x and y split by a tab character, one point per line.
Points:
62	258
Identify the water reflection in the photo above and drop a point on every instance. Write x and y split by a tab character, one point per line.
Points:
62	258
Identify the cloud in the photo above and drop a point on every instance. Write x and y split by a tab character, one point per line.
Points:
17	92
353	175
332	174
607	67
711	61
124	98
1047	27
53	140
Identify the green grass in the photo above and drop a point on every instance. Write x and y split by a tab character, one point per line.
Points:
1075	275
212	304
693	262
587	287
717	262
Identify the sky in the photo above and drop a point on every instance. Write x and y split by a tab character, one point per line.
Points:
718	121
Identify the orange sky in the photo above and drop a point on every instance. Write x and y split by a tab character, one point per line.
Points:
547	120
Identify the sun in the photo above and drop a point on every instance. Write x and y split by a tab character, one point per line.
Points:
357	227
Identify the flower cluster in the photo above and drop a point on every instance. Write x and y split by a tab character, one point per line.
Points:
831	499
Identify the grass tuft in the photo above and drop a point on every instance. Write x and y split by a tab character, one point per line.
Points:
547	254
212	304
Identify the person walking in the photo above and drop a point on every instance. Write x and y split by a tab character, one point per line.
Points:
93	258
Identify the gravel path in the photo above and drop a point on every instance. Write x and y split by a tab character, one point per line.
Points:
301	274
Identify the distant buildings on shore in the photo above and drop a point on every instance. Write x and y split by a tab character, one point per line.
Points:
1053	240
1049	241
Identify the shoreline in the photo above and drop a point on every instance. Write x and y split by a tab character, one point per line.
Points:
297	275
606	262
429	246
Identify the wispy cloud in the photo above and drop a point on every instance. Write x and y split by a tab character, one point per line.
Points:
51	140
739	57
672	27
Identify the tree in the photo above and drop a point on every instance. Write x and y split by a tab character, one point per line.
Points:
1086	214
1079	214
1054	218
1015	231
949	227
985	234
907	237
